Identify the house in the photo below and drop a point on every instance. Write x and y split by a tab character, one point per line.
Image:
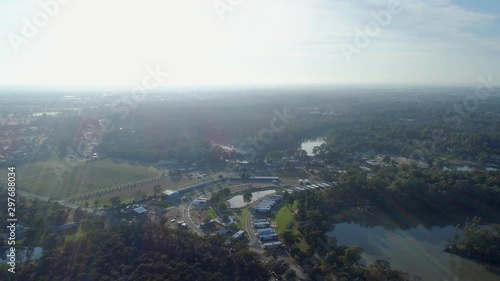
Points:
140	210
263	209
238	235
271	244
264	231
261	224
267	237
232	220
200	203
223	231
129	209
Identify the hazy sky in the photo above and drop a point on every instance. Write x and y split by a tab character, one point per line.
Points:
112	42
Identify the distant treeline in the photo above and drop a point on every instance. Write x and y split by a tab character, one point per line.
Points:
413	124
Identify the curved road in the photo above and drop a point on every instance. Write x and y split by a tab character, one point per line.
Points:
187	219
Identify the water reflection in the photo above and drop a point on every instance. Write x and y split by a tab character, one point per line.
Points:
309	145
418	251
23	254
238	202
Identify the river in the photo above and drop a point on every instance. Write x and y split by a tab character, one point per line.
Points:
418	251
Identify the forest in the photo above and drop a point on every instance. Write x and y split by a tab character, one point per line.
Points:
144	251
475	241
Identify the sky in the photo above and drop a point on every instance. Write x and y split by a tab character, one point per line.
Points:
113	43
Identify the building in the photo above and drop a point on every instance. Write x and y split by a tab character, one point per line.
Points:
265	178
238	235
271	244
267	237
140	210
267	204
261	224
171	193
223	231
200	203
264	231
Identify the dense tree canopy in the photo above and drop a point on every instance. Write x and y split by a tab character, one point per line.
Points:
146	252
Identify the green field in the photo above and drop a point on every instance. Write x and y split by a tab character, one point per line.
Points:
284	217
58	180
211	214
241	216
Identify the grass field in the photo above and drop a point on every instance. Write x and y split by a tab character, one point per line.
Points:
284	217
58	180
211	214
241	216
282	220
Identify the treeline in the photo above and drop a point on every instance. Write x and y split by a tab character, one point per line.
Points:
182	130
417	191
421	142
388	123
477	242
144	251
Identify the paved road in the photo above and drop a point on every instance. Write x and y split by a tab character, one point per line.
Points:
187	219
254	241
